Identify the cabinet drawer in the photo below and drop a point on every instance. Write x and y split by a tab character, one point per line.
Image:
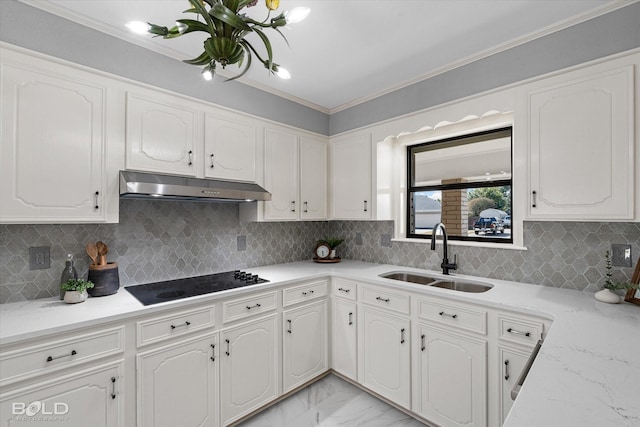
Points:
57	354
176	324
242	308
456	315
384	298
345	288
304	292
519	330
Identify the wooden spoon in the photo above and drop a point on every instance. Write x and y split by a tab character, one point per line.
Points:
92	251
102	251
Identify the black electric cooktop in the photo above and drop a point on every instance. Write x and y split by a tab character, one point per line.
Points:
155	293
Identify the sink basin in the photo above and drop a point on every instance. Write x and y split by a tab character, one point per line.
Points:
405	276
455	285
462	286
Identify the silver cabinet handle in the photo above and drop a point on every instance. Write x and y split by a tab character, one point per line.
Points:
289	326
422	347
306	293
350	319
97	193
249	307
183	325
534	197
52	358
293	206
402	336
228	352
212	161
213	352
306	207
113	387
506	370
365	205
190	157
514	331
344	290
453	316
383	299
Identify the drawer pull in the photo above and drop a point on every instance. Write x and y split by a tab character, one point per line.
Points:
306	293
228	352
453	316
190	153
293	206
402	336
97	206
383	299
422	347
213	352
183	325
212	165
350	319
52	358
113	387
289	326
533	196
344	290
506	370
306	207
514	331
249	307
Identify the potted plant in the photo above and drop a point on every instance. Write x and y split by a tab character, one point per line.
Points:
607	293
75	290
333	243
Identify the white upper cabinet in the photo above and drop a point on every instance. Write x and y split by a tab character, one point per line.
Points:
580	131
351	174
229	148
313	179
162	134
281	174
55	163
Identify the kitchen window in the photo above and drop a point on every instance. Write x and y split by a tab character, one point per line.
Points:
465	183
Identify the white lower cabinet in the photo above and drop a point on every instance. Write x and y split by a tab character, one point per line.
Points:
92	397
512	362
452	377
385	356
344	338
177	384
249	367
304	340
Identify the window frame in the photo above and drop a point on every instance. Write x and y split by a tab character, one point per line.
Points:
410	188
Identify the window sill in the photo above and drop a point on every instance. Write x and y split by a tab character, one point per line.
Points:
461	243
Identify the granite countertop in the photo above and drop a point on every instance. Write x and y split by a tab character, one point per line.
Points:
586	374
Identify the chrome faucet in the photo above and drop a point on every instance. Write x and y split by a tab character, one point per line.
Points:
446	266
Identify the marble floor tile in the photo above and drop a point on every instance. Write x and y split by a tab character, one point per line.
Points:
331	402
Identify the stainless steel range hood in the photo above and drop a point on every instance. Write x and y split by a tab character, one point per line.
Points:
142	185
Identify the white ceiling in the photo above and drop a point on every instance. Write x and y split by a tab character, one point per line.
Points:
348	51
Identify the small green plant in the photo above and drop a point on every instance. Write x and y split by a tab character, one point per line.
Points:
333	242
79	285
608	283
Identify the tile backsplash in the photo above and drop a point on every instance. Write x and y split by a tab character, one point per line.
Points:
160	240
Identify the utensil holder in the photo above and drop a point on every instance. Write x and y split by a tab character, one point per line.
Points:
105	278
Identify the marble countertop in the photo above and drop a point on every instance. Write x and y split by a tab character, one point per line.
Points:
586	374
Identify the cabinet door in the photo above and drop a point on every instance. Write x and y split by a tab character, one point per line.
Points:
453	378
161	135
581	136
248	367
281	175
230	148
385	355
344	336
80	399
512	362
313	179
53	148
304	344
351	178
177	385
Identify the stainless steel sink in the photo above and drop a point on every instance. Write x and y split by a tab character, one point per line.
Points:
455	285
406	276
462	286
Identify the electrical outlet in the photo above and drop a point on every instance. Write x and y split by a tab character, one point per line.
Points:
241	242
621	255
39	258
385	240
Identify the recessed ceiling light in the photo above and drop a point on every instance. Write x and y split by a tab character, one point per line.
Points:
137	27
